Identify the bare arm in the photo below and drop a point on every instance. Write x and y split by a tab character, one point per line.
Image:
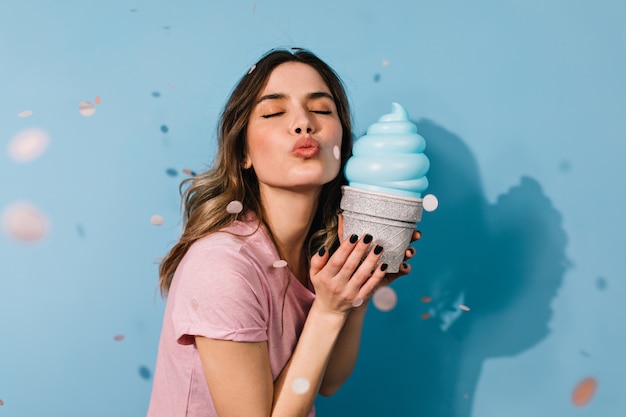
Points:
239	375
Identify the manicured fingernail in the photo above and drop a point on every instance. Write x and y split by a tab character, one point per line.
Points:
412	250
367	238
378	249
383	267
405	265
354	238
322	251
419	234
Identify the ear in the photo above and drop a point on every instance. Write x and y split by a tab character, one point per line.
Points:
246	163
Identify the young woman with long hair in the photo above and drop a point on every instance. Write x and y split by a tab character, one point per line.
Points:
265	305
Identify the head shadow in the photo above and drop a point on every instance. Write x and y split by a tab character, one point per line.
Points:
484	278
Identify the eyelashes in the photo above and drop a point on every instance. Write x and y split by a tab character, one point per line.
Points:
280	113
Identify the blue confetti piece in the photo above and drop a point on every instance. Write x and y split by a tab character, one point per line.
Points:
156	94
376	77
164	129
144	372
171	172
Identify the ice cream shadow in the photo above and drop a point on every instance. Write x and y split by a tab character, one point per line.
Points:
503	261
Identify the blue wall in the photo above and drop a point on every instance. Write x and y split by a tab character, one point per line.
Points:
522	104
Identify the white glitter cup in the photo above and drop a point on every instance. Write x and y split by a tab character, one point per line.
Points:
390	219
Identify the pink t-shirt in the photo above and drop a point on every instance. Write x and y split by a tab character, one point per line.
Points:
229	285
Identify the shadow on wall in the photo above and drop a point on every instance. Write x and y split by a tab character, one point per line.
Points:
503	261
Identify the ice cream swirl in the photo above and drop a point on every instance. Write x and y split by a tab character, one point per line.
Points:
390	158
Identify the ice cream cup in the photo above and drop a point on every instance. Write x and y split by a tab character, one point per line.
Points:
390	219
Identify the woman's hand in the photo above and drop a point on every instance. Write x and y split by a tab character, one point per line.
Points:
349	277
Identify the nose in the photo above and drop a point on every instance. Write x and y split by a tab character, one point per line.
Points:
302	123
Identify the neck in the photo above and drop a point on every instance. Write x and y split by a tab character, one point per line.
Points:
289	215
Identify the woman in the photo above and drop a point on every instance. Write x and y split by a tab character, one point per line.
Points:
264	305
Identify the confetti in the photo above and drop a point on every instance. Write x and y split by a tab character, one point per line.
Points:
300	385
28	145
156	94
234	207
25	113
385	299
376	77
280	264
584	391
426	299
189	172
385	63
86	108
430	202
425	316
357	303
24	221
165	129
1	403
118	337
157	220
144	372
171	172
98	100
252	68
464	307
336	152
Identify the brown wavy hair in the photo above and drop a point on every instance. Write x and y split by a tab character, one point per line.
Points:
205	196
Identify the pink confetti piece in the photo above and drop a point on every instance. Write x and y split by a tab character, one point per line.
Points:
157	220
425	316
430	202
464	307
28	145
118	337
358	302
336	152
98	100
385	63
426	299
234	207
1	403
25	113
280	264
300	385
86	108
385	299
24	221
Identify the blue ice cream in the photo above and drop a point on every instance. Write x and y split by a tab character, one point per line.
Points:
390	158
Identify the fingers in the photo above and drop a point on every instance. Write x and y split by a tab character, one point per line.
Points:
318	261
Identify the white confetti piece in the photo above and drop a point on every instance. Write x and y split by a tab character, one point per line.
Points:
25	113
385	299
157	220
357	303
86	108
300	385
24	221
280	264
430	202
252	68
336	152
464	307
28	145
385	63
234	207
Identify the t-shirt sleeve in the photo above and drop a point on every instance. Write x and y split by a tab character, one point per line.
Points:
218	294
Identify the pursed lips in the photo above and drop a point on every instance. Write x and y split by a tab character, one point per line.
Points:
306	147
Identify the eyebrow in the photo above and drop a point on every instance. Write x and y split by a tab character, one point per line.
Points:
280	96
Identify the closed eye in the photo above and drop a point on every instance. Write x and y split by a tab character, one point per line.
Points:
267	116
321	111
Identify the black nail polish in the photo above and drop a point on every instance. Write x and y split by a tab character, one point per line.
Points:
322	251
405	265
354	238
383	267
412	250
378	249
367	238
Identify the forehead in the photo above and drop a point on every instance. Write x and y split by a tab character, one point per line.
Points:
294	77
